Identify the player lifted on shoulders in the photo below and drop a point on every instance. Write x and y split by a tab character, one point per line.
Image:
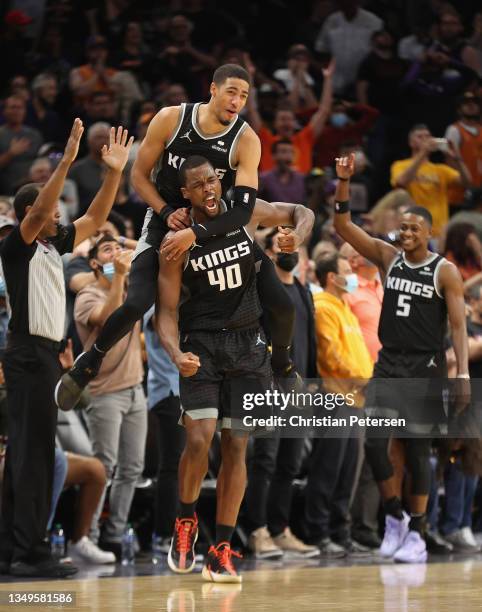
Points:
222	348
216	131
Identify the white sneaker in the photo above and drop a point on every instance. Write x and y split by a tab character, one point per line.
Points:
469	537
463	540
413	549
261	544
294	547
395	533
89	552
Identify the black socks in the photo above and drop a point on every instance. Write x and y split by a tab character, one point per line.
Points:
187	510
224	533
393	507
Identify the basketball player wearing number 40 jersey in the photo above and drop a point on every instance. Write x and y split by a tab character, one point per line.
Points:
421	288
215	131
222	347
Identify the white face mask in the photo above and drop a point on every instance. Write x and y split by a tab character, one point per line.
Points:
351	282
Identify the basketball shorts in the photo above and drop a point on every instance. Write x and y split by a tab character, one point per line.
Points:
231	361
412	386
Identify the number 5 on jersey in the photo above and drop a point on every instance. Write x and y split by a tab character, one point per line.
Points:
403	304
229	277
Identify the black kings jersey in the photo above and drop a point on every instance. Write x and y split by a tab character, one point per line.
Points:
219	285
187	139
414	314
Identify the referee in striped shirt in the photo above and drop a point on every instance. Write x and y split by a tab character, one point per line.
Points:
32	265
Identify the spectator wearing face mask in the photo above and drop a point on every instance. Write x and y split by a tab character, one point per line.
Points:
366	304
286	129
117	415
345	365
276	461
347	122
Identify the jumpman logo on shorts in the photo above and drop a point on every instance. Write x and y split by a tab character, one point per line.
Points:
186	135
431	363
259	341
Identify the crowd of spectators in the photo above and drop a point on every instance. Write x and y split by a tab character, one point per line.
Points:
399	84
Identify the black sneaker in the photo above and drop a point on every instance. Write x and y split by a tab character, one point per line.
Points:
330	549
219	564
366	537
45	569
70	387
181	557
436	545
355	549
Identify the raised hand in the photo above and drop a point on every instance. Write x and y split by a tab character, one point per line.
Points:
116	155
122	262
329	70
72	146
345	166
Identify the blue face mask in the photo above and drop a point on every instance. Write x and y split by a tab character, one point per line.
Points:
108	271
351	283
3	288
339	120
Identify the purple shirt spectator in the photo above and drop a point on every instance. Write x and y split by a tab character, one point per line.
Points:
283	184
283	187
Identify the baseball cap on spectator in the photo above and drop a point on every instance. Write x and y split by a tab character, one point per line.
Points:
17	17
6	222
95	41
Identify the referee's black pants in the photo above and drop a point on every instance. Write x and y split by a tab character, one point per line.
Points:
31	367
142	290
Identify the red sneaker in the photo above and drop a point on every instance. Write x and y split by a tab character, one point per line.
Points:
181	557
219	564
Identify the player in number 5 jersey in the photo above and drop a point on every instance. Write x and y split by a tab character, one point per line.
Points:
222	348
421	288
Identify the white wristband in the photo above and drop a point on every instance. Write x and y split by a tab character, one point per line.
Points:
466	376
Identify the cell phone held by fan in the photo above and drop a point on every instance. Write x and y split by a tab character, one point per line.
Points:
442	145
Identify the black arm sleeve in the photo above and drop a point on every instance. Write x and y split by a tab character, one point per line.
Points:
236	217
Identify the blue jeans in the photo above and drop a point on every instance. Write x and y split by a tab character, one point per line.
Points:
60	474
459	496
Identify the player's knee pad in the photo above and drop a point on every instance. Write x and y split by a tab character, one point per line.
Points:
376	452
417	458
